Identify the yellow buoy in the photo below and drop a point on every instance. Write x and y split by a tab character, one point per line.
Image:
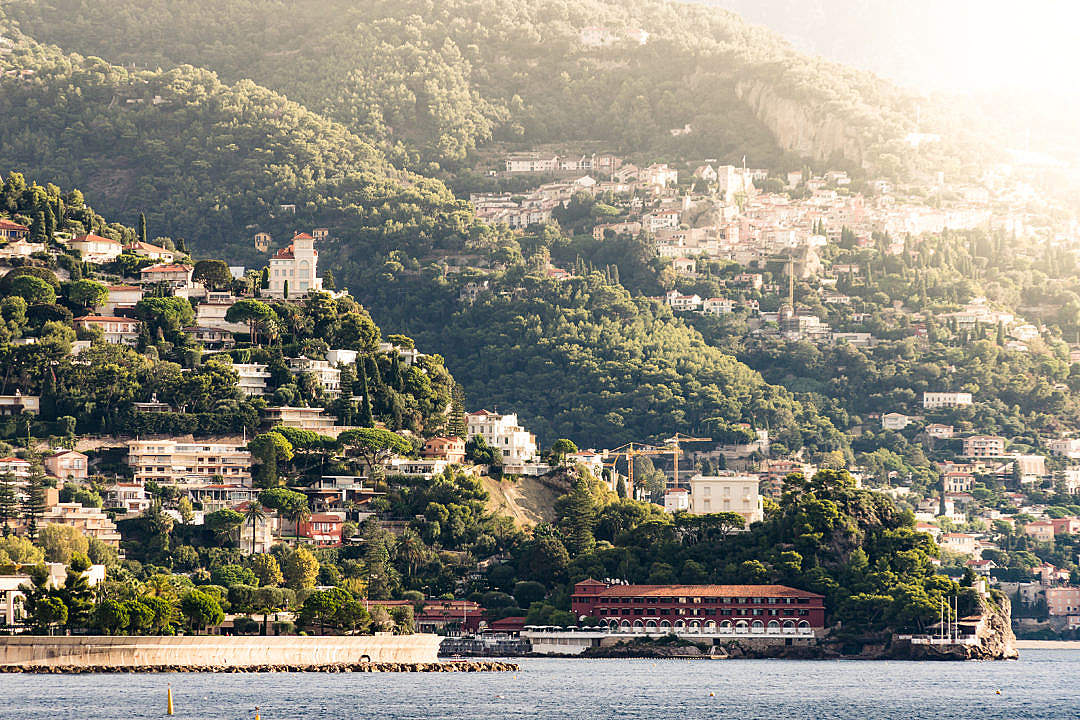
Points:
256	713
712	694
169	709
998	692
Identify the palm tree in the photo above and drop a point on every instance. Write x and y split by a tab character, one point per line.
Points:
254	514
410	550
299	514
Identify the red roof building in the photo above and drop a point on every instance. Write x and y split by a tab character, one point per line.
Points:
12	230
755	608
322	529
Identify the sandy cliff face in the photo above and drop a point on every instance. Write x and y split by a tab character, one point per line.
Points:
801	129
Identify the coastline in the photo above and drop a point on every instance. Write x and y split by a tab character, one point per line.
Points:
365	667
1048	644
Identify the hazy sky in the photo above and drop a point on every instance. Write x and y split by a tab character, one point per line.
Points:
936	44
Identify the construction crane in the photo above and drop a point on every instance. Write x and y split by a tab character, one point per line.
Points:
675	441
643	450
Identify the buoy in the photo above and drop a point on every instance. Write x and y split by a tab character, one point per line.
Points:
169	709
256	713
712	694
998	692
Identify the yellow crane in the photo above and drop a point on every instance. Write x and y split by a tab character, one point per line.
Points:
630	452
675	441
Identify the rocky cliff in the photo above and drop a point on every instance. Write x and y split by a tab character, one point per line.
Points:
801	129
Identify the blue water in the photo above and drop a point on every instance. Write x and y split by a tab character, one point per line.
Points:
1041	685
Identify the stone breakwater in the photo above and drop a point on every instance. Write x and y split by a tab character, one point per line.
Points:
373	667
214	651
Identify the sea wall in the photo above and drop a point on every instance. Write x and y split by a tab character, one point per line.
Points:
216	651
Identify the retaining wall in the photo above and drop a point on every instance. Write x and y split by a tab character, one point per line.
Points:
212	650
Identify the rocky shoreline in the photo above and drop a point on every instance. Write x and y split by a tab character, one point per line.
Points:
480	666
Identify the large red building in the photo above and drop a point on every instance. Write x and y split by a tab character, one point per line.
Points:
702	608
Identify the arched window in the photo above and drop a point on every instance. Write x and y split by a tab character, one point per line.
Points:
757	626
665	624
650	625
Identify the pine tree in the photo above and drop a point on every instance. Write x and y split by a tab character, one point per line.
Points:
366	417
328	281
9	503
34	504
142	227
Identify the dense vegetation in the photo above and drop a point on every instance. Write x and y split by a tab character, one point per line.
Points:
437	80
207	161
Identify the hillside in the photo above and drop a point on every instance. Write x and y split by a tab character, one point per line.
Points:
433	81
207	161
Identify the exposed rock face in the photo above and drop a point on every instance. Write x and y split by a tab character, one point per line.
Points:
800	129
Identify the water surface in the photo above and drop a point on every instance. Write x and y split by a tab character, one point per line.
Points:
1041	685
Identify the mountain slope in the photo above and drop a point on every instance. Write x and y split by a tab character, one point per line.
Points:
207	161
440	79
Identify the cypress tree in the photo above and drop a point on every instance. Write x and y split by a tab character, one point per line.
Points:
37	228
285	290
366	417
142	227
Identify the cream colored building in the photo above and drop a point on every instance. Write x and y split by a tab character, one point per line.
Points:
315	419
328	375
96	249
726	493
252	378
186	463
296	265
502	432
90	521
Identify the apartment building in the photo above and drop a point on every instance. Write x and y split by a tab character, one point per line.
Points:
116	330
184	463
90	521
935	400
327	374
315	419
502	432
980	446
252	378
727	492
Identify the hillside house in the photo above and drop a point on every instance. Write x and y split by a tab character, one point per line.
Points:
96	249
116	330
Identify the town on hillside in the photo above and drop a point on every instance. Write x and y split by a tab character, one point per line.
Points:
251	437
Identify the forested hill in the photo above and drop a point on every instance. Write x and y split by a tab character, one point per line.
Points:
211	162
433	80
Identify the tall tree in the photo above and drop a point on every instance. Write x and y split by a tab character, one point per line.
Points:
366	417
34	502
254	515
142	228
9	503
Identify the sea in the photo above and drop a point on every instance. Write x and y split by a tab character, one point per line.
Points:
1042	684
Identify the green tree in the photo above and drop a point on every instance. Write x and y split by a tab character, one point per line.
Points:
300	568
253	515
34	501
272	450
33	290
214	274
373	445
142	228
224	523
201	610
255	313
111	616
9	503
266	569
88	293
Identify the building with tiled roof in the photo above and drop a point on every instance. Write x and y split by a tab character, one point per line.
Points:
11	231
95	248
755	608
295	267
